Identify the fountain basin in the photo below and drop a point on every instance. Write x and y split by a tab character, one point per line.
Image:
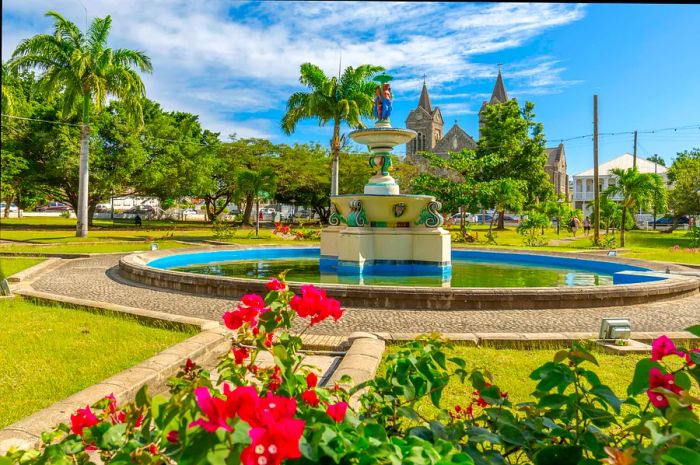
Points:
648	286
382	139
387	211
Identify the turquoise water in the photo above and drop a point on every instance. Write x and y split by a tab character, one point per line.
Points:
464	274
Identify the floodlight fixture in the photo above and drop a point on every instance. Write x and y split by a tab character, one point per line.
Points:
154	246
615	328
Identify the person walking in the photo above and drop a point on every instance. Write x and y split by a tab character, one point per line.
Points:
574	225
586	226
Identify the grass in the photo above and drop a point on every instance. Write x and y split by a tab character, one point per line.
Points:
12	265
95	247
50	352
511	370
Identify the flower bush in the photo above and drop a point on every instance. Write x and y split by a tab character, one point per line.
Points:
259	413
286	232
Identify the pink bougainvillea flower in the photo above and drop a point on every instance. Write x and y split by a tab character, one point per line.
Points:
314	303
83	418
240	354
337	411
275	285
275	380
214	409
659	380
253	301
310	397
173	437
311	380
272	444
242	315
112	405
663	346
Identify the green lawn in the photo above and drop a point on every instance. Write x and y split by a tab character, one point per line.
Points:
12	265
50	352
511	370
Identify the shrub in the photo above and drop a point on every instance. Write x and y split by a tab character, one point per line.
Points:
223	230
65	214
267	415
531	229
694	234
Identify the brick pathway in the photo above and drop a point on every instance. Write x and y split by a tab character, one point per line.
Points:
97	279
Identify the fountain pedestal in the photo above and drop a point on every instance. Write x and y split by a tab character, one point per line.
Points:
382	231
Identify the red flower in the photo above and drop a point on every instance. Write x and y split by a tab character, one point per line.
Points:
275	379
274	443
663	346
310	397
253	300
268	339
83	418
153	449
314	303
215	410
337	411
311	380
242	315
173	437
275	285
240	354
659	380
189	365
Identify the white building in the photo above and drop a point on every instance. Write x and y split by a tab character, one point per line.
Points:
582	186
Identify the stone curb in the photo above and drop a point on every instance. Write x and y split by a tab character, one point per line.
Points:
40	268
532	340
50	255
360	362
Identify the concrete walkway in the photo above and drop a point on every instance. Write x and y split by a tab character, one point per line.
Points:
96	278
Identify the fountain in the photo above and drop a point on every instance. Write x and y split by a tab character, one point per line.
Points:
382	231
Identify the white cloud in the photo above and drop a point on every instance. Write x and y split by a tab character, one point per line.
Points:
229	59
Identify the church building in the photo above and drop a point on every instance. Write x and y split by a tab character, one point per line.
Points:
427	121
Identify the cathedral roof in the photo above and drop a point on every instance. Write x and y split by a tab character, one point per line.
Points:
499	94
555	153
424	101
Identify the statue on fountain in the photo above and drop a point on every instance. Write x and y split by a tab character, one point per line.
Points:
382	102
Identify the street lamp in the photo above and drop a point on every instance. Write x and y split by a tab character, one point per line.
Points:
559	202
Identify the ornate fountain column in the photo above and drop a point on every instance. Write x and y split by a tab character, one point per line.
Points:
382	231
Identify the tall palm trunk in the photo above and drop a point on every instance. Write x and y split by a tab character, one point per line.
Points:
82	213
335	157
622	225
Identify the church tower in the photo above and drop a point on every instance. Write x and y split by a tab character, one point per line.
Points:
499	95
427	122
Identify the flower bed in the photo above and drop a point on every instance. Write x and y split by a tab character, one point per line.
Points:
264	416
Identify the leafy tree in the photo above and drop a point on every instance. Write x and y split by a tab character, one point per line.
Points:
512	145
337	100
684	174
638	190
657	159
260	183
83	71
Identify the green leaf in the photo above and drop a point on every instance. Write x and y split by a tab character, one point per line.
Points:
477	380
604	392
408	412
559	455
680	455
683	380
491	395
512	435
421	432
640	380
553	401
695	329
658	438
690	426
561	356
142	397
582	354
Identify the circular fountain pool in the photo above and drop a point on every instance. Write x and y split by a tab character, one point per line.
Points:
479	279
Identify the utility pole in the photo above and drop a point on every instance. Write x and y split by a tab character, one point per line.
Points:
655	172
596	189
634	163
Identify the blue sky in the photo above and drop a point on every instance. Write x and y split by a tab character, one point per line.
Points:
235	63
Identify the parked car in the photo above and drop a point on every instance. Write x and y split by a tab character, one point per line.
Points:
141	209
189	211
54	207
13	208
668	221
457	217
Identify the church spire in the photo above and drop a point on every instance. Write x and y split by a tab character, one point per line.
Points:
499	94
425	99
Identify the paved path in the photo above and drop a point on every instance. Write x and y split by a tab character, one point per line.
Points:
97	279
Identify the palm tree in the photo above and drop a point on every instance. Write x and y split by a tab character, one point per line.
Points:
638	191
345	99
81	68
258	183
